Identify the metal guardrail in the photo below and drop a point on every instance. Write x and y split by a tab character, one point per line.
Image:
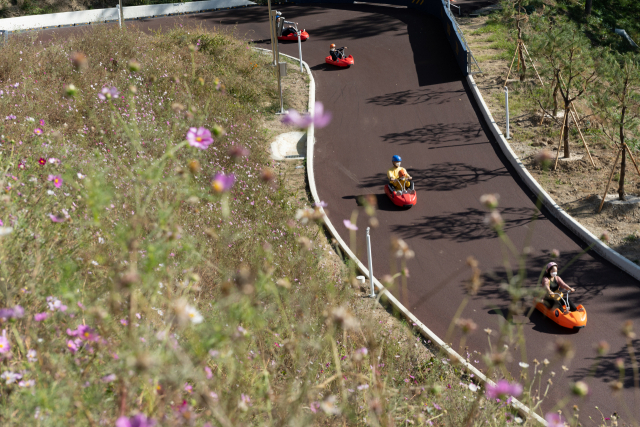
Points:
472	64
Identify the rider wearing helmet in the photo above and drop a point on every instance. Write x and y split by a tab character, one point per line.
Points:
397	172
553	284
336	53
283	32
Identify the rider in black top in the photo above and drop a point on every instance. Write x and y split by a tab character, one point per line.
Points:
336	53
553	283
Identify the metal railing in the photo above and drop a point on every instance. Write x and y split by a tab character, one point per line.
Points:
472	64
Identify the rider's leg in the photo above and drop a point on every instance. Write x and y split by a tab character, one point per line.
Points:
411	188
572	306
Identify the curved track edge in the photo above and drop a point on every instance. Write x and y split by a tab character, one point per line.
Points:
560	214
383	293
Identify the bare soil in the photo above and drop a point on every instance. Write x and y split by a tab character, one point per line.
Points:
575	185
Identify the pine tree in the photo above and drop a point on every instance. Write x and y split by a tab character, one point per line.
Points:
566	55
618	103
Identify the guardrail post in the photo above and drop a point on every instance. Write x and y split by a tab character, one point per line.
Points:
119	16
506	100
373	292
300	50
4	36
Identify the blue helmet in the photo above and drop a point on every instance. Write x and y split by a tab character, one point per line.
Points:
396	159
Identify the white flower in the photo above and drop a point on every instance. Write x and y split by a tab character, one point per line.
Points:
94	263
51	193
32	356
81	176
5	230
194	315
473	387
10	377
100	240
329	406
523	365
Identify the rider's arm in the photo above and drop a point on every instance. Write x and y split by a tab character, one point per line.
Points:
545	283
564	285
391	175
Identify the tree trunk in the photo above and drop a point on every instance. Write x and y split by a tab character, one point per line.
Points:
623	167
587	12
523	70
555	96
567	121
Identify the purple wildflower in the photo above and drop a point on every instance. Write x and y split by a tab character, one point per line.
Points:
108	378
41	122
502	389
10	117
199	138
38	131
222	183
108	93
136	421
39	317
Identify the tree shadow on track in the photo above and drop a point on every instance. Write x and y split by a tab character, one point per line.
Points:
606	369
463	226
414	97
454	134
445	176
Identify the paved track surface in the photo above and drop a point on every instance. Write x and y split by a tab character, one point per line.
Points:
406	96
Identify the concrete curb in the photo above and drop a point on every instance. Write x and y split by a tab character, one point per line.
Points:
601	249
383	293
88	17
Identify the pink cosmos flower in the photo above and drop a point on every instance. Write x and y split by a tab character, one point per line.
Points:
73	345
554	420
223	183
502	389
84	333
37	131
319	119
39	317
5	345
136	421
208	371
188	388
56	179
55	218
349	225
21	166
199	138
41	122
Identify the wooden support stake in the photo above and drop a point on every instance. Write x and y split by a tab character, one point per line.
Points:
510	67
606	190
632	159
574	114
560	143
534	65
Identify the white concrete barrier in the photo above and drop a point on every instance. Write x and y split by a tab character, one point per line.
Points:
87	17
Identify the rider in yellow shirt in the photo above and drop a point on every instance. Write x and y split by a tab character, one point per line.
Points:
396	172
